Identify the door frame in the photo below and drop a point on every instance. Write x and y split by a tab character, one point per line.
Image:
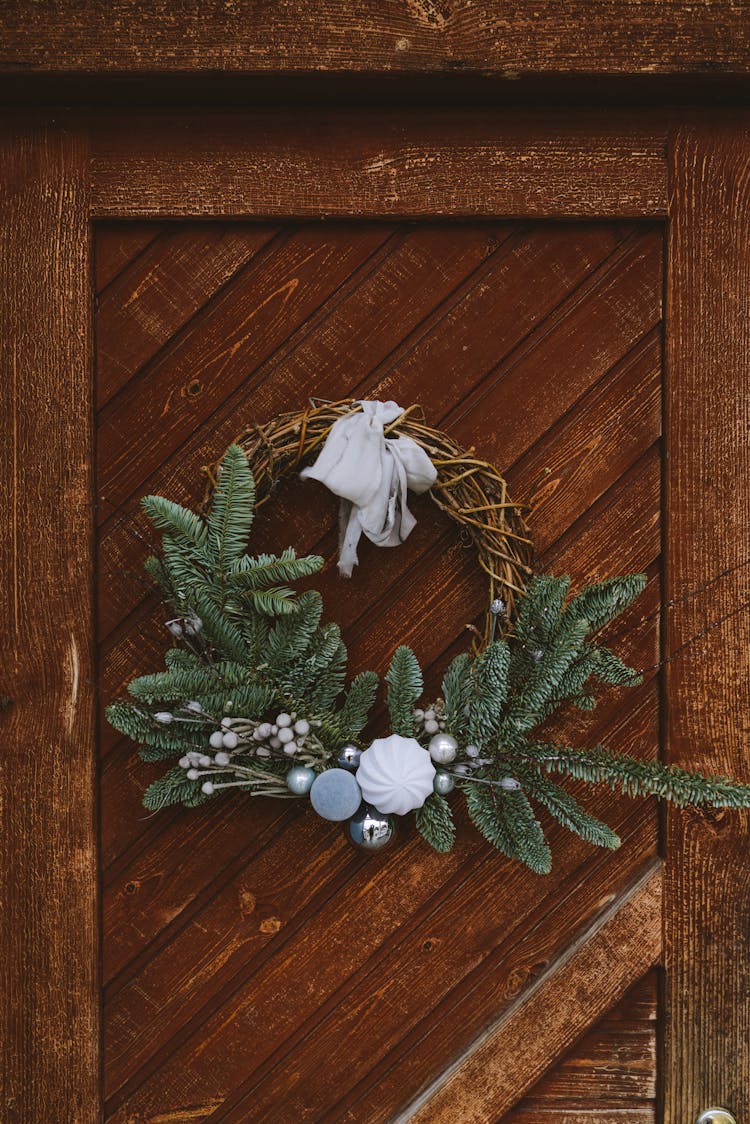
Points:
62	171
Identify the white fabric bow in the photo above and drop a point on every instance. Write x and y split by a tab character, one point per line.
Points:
371	473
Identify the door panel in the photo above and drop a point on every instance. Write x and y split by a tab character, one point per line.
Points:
254	967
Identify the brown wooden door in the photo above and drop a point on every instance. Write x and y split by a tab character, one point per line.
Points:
508	274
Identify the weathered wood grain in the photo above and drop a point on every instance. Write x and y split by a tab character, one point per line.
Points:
117	246
155	296
503	37
707	918
609	1076
504	1063
48	921
365	163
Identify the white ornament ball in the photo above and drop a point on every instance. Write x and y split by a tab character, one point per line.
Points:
302	726
222	758
226	722
184	762
216	741
274	742
263	731
290	749
283	720
205	760
443	748
395	774
285	734
431	726
230	740
510	784
193	774
208	788
164	717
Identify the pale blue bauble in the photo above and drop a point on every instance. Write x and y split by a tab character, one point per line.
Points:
335	794
299	779
443	783
370	830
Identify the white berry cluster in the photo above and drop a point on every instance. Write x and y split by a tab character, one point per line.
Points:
287	732
432	720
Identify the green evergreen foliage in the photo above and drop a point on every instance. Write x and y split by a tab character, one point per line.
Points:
248	648
507	820
404	679
247	643
434	822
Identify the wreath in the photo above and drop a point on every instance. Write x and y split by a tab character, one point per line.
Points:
254	695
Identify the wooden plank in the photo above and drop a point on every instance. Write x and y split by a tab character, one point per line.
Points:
116	245
707	999
614	1065
48	921
153	298
365	163
513	1054
503	37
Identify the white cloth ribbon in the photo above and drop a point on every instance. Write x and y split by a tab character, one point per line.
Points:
371	473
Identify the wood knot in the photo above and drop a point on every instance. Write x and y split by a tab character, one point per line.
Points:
270	924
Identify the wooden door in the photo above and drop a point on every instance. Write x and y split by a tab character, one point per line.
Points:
508	273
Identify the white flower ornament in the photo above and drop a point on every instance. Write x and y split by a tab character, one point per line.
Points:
396	774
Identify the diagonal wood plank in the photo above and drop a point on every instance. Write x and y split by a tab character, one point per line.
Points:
175	276
514	1053
117	245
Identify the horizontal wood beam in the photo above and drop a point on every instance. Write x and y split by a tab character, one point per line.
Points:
510	38
411	164
513	1054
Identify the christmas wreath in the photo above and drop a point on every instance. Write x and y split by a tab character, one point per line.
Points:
254	695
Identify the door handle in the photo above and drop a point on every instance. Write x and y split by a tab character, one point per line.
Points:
716	1116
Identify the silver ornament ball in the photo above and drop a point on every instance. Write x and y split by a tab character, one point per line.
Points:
443	783
349	756
497	607
443	749
299	780
370	830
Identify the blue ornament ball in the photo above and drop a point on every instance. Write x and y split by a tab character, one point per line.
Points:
335	795
299	779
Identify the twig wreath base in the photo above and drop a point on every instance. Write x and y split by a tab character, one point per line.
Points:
471	492
254	696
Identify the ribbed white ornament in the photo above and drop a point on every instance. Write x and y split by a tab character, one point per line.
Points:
395	774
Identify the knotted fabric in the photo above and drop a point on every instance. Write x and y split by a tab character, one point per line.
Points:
371	473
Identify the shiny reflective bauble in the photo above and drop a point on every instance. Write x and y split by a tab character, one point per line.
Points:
370	830
716	1116
443	783
335	795
443	749
299	780
349	756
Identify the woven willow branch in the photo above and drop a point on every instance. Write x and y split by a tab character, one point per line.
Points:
469	490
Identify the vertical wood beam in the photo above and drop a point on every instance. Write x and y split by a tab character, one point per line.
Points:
707	874
49	912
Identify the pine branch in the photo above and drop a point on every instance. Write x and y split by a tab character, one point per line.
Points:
358	703
489	693
602	602
567	811
174	788
232	508
178	522
507	820
404	679
641	778
434	822
457	685
270	569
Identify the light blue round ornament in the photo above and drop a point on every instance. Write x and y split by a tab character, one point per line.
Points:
335	795
299	779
